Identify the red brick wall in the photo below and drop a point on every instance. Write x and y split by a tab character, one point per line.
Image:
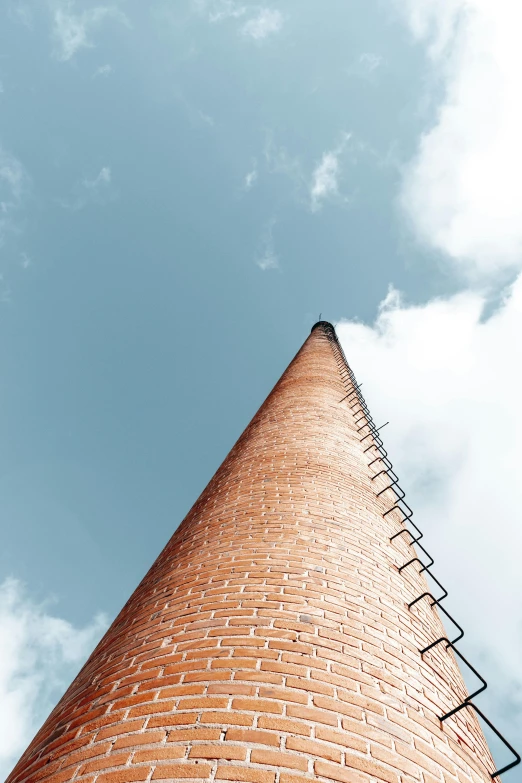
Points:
271	640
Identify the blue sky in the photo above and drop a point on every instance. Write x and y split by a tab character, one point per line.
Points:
184	187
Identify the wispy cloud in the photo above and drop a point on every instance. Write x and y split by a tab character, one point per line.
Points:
14	187
226	10
103	179
325	178
313	185
206	119
40	654
219	10
103	70
267	22
279	160
14	182
72	30
366	65
251	178
196	116
267	257
5	291
97	190
369	61
264	22
12	176
22	13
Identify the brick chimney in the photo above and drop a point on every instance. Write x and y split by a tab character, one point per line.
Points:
271	641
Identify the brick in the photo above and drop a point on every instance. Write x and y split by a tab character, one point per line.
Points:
277	759
337	706
114	760
395	760
274	679
287	777
337	772
217	750
168	771
254	737
284	694
234	663
95	749
257	705
126	727
144	738
152	709
368	732
283	724
371	768
127	775
183	735
434	755
232	689
188	689
205	702
309	713
62	777
175	719
159	754
311	686
313	748
341	738
245	774
227	718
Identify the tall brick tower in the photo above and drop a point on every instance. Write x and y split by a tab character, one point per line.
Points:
271	641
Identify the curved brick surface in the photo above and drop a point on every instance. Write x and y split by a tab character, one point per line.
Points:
271	641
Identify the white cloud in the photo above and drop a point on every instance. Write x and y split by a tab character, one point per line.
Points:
251	178
325	178
311	186
103	179
5	291
39	655
91	191
22	13
12	177
463	191
219	10
103	70
206	119
71	30
369	61
267	22
447	377
365	65
267	257
279	161
14	182
268	261
450	383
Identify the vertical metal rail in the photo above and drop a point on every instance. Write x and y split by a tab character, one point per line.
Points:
360	411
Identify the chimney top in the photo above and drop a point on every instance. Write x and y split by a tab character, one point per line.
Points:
325	324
